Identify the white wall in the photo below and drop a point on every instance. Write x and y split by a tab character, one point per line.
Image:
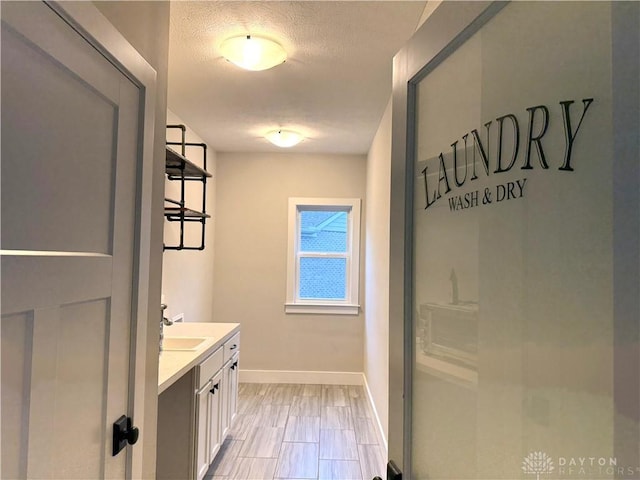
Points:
429	8
250	267
376	307
377	214
187	275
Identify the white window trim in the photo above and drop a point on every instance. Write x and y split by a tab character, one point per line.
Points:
350	305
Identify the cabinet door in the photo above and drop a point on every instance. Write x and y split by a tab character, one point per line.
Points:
232	389
224	398
201	433
215	410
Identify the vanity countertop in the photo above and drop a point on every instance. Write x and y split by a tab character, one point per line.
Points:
175	363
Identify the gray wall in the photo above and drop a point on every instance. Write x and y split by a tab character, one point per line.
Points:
251	262
376	307
187	275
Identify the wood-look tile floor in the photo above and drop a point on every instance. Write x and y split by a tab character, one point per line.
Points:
295	432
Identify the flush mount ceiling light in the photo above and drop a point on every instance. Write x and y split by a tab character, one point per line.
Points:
284	138
253	53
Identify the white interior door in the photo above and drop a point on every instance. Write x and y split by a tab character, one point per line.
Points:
70	149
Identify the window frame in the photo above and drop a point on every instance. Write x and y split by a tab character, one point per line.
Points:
350	305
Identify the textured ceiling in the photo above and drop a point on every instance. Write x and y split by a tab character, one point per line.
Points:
333	87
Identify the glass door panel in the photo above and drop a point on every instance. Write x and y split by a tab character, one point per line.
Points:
514	253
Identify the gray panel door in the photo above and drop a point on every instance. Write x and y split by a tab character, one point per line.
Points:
70	137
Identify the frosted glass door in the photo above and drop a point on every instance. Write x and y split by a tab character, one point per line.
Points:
523	343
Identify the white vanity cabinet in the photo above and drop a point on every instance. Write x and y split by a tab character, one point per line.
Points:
216	402
196	410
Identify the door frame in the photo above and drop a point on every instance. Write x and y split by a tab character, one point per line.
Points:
87	20
450	25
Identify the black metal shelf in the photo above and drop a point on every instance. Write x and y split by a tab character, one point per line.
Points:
179	168
176	214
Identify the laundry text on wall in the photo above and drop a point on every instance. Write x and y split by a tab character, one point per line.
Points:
471	156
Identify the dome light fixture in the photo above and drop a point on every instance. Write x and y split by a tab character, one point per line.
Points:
284	138
253	53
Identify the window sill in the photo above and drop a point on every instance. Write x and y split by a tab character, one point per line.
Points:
322	309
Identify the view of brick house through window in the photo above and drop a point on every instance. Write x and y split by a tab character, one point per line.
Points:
323	232
323	256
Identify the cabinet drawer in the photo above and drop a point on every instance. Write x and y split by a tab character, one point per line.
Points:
209	367
231	346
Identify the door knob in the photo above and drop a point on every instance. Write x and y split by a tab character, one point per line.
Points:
124	433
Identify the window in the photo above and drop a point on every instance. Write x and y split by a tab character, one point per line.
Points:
323	256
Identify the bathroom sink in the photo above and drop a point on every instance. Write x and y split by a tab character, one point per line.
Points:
182	343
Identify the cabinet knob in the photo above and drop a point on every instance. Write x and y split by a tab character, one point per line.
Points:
233	347
215	387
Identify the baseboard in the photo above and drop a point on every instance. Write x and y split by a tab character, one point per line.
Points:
382	439
323	378
301	377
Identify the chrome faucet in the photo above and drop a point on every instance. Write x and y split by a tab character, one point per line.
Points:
163	321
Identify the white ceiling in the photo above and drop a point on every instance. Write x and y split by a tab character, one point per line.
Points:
333	87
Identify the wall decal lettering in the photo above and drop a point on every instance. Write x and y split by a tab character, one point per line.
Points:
463	169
